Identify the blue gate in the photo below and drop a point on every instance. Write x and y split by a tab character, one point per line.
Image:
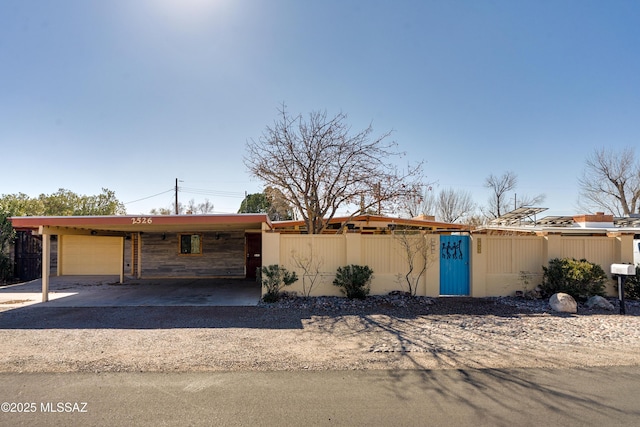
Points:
454	265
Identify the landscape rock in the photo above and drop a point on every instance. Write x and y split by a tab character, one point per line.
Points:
533	294
597	301
563	303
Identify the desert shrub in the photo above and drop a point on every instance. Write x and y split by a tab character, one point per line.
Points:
579	278
632	285
354	280
274	279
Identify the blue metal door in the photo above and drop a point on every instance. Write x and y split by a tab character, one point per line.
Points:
454	265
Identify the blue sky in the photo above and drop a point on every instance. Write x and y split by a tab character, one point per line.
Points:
130	95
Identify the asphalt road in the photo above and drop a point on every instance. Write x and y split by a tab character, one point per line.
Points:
523	397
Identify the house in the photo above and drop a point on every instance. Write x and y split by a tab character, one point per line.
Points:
149	246
434	258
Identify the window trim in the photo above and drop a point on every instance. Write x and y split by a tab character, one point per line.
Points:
200	236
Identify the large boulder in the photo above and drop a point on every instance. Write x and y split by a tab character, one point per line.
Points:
597	301
563	303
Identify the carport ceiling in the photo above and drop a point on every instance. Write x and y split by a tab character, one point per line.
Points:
149	223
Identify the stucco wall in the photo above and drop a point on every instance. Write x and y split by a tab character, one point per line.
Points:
500	265
324	254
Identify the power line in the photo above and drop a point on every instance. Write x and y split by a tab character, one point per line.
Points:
149	197
218	193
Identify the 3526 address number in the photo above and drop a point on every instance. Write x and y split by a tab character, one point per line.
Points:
141	220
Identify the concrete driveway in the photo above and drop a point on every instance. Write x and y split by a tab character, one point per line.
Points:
105	291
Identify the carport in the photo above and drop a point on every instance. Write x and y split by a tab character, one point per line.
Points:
149	247
106	291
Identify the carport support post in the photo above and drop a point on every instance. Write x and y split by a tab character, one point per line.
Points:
46	265
122	261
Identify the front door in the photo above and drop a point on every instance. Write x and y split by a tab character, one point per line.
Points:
454	265
254	254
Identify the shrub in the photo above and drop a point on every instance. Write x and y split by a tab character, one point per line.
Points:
354	280
632	285
274	279
580	279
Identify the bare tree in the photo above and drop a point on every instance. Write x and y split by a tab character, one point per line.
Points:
500	199
320	166
169	211
279	208
191	208
421	203
415	251
452	205
611	181
205	207
499	187
199	208
311	269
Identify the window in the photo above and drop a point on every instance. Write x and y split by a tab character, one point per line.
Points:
190	244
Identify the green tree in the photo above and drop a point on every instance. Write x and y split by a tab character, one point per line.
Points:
21	205
271	201
105	203
62	203
65	203
254	203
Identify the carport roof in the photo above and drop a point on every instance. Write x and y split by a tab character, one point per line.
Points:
146	223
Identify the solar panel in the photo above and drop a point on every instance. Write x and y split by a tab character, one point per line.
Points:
517	216
628	221
556	220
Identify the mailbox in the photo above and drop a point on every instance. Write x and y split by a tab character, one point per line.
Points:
623	269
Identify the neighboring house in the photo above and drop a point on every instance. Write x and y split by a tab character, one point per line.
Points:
499	259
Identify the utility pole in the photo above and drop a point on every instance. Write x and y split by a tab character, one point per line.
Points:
176	196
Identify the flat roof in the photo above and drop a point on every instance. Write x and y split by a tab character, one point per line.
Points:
377	221
149	223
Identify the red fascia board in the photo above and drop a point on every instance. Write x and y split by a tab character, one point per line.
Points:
115	220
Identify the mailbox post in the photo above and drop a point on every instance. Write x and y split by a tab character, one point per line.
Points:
621	271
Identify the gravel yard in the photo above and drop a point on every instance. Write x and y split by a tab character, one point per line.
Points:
391	332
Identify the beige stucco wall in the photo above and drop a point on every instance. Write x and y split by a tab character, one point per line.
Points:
325	253
503	263
500	265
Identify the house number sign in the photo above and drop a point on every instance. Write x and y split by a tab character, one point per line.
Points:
141	220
